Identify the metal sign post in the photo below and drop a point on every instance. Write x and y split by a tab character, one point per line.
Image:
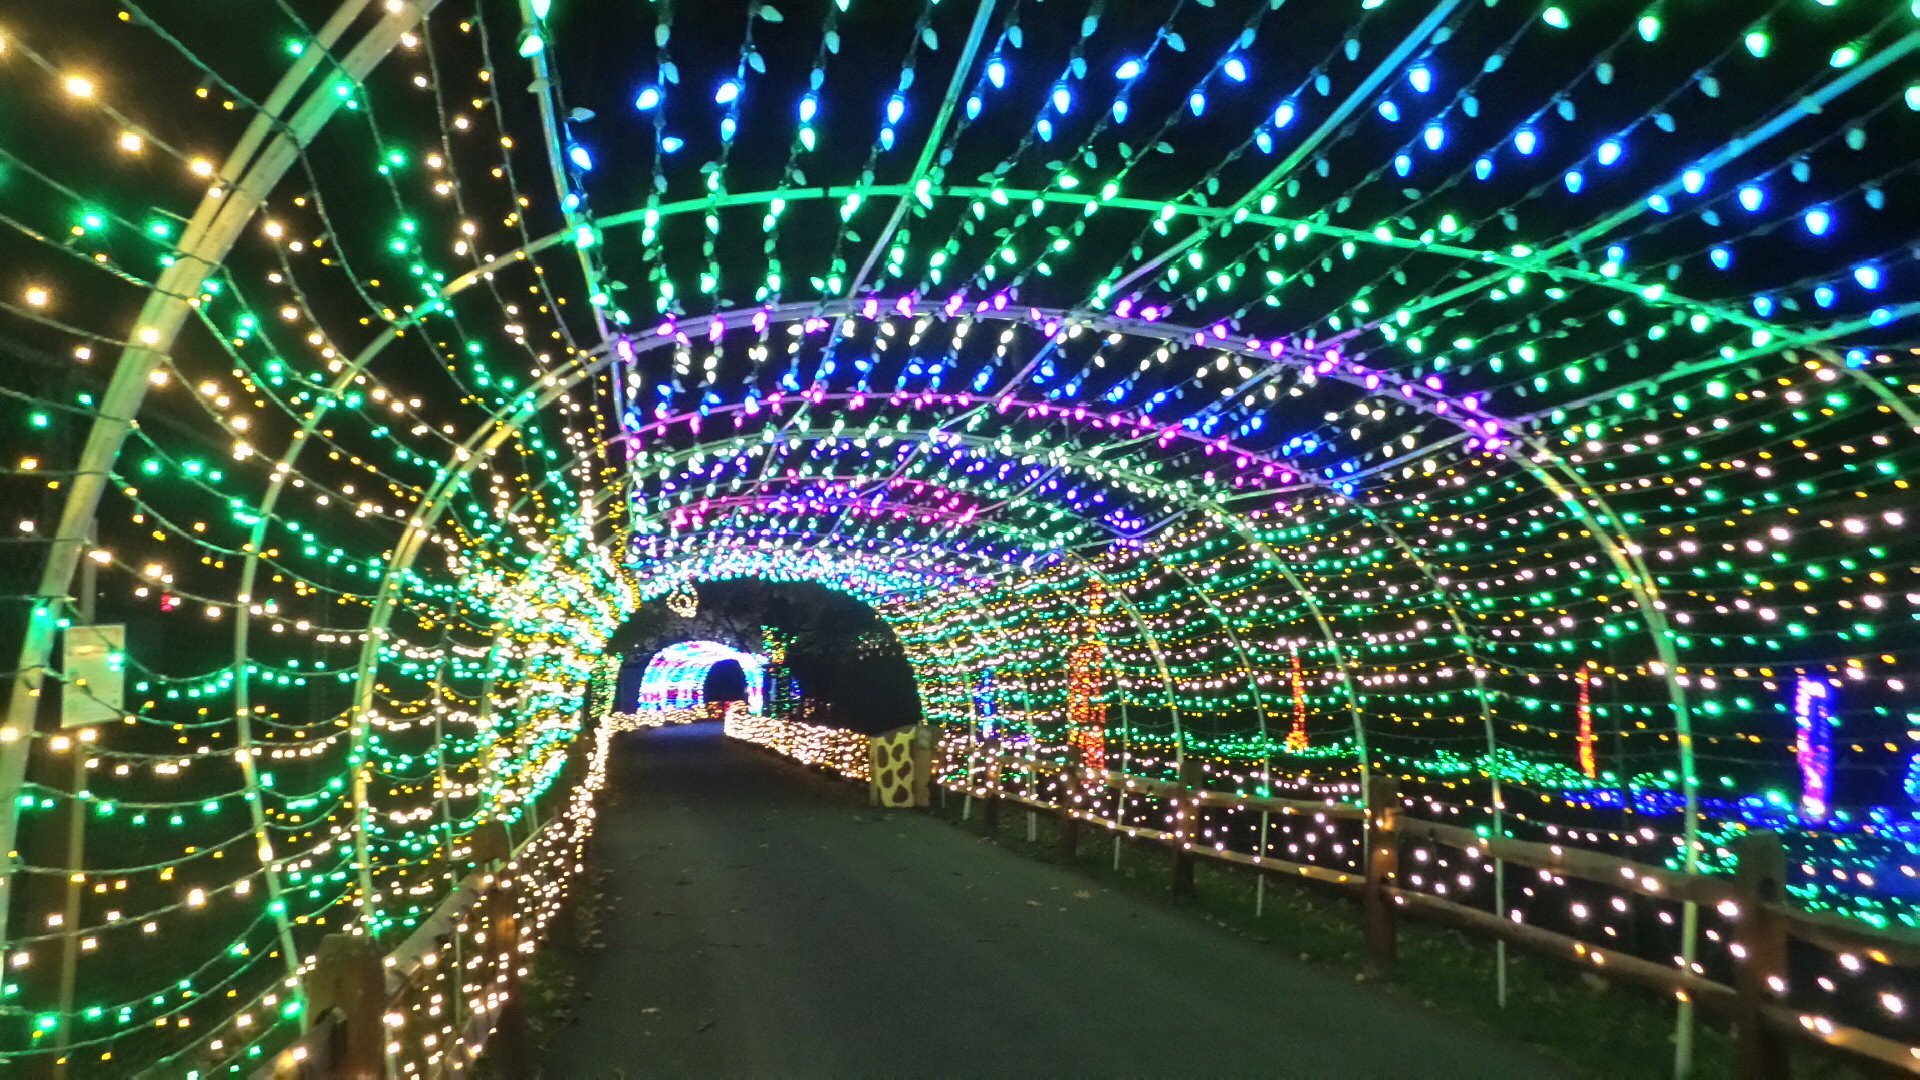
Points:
92	691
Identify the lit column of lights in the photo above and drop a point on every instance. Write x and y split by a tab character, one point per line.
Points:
1297	738
1584	737
1813	747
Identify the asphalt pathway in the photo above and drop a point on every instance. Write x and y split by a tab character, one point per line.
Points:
764	921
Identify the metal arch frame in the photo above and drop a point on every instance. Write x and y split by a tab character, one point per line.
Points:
1231	519
1444	596
1080	462
489	436
1096	469
721	445
1087	567
1637	583
263	155
1441	593
1135	328
76	508
377	634
397	566
585	366
207	239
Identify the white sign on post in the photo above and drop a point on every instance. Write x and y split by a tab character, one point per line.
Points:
95	661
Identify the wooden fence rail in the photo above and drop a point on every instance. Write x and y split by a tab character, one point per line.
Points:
1753	898
354	992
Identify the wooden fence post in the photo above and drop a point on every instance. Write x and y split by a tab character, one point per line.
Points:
1182	853
511	1044
1069	825
489	844
1186	817
926	754
349	975
1760	1051
990	802
1383	864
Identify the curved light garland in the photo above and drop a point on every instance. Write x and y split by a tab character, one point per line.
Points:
1512	399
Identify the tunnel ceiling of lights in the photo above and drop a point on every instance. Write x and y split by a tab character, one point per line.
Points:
1514	398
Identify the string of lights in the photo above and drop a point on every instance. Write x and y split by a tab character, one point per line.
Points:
1515	401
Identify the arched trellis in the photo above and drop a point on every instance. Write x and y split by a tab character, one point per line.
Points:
123	398
397	572
1571	497
286	122
1412	392
423	516
475	452
1231	520
1036	541
556	385
724	447
1636	583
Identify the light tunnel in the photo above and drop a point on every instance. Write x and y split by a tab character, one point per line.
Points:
1515	401
675	676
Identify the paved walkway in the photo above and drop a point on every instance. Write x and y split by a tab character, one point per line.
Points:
764	921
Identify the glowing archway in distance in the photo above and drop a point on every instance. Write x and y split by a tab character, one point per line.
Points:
676	677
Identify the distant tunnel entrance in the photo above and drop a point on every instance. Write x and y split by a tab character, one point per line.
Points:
681	675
